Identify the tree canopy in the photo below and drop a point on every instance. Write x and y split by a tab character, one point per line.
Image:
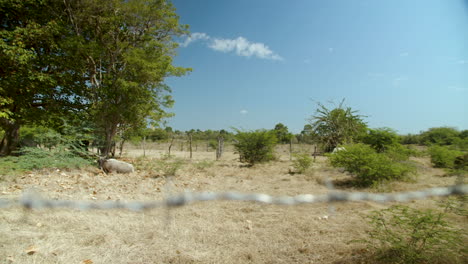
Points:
104	61
336	126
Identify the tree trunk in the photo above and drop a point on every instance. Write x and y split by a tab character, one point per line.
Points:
10	140
109	138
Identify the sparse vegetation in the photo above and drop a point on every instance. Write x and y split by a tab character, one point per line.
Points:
401	234
301	162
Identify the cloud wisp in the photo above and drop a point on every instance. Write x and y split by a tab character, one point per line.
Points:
240	46
244	112
194	37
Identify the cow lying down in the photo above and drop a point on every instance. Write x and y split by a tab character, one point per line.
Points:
113	165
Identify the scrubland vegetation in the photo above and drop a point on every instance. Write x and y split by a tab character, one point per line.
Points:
74	88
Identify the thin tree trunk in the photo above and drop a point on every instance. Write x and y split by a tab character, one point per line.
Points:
170	145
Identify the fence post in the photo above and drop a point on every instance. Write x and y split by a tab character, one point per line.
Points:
315	152
190	145
219	149
290	149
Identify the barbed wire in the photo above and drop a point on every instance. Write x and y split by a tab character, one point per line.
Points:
32	200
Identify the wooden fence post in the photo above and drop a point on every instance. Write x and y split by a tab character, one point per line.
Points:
219	149
190	145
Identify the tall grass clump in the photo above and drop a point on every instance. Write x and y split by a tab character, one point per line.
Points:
302	162
369	167
255	146
401	234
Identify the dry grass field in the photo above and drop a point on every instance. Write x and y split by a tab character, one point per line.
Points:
211	232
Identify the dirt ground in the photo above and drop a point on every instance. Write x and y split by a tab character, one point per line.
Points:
210	232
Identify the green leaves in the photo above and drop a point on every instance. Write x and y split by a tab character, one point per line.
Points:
336	126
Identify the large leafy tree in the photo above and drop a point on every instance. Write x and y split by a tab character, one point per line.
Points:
100	61
38	80
128	48
336	126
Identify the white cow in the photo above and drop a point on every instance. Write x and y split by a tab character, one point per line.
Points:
113	165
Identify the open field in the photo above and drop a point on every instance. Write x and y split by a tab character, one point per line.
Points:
212	232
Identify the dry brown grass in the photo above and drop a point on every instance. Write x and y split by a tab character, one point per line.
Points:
214	232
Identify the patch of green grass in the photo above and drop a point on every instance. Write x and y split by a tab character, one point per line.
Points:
36	158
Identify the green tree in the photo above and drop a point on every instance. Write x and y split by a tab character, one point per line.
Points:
440	136
128	48
381	138
38	80
333	127
282	134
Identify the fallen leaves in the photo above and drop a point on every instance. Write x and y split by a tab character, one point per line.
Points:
31	250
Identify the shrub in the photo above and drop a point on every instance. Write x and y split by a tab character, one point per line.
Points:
401	234
381	139
443	157
439	136
255	146
302	162
368	166
36	158
399	152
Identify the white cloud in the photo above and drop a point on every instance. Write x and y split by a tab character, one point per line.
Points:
330	50
243	47
194	37
244	112
404	54
462	61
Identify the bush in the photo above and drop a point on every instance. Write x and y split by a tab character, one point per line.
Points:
401	234
381	139
37	158
368	166
443	157
255	146
302	162
439	136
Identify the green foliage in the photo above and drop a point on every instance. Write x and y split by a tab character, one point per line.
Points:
306	135
255	146
40	136
336	126
282	134
443	156
401	234
410	139
398	152
439	136
302	162
368	166
381	138
32	158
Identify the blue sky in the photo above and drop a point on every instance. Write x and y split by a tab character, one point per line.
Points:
256	63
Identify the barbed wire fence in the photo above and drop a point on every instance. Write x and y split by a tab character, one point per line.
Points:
33	200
